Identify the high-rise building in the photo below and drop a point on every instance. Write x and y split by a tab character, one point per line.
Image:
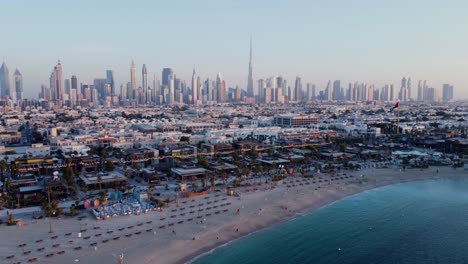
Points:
220	88
420	91
144	80
447	92
133	76
129	91
74	83
250	88
167	75
314	96
408	89
4	81
123	92
298	89
18	85
110	81
237	94
329	91
67	86
194	88
392	93
261	88
308	92
56	83
403	92
336	90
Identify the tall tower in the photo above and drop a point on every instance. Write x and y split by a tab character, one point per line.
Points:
133	84
18	85
144	73
194	88
58	83
110	81
250	85
408	88
221	89
4	81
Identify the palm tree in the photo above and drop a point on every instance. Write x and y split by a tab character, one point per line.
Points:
48	191
51	209
99	179
224	176
103	201
3	167
4	200
212	182
11	220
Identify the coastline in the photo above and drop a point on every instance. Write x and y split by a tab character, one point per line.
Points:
442	174
259	210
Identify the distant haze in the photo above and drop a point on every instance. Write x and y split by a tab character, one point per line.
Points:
377	42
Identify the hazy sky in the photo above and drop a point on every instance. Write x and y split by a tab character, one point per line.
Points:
371	41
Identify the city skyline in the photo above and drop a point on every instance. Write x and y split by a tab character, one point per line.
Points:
173	90
340	43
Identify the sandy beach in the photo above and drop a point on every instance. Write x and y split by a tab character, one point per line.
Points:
181	233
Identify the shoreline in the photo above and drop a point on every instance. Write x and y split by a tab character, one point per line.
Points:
185	241
202	253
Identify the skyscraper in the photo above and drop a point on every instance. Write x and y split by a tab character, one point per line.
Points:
250	85
403	92
4	81
168	85
336	90
144	80
408	89
392	93
110	81
298	89
447	92
220	88
167	75
194	88
420	91
74	82
56	83
328	91
133	84
18	85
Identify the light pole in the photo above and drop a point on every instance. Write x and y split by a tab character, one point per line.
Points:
50	222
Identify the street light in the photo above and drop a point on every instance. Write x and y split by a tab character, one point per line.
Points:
50	222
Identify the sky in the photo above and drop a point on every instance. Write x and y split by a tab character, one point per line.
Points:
372	41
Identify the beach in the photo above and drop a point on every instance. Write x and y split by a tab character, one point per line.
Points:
170	237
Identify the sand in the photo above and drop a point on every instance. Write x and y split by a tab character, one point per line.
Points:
183	241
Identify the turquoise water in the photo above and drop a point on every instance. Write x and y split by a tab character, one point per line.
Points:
418	222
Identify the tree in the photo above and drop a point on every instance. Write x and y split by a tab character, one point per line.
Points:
68	174
343	147
51	209
48	191
11	220
72	210
203	162
184	139
3	167
203	182
3	200
103	200
99	179
212	182
110	165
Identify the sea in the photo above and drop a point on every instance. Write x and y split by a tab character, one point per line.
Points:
416	223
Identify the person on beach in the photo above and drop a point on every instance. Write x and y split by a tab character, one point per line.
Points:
238	211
